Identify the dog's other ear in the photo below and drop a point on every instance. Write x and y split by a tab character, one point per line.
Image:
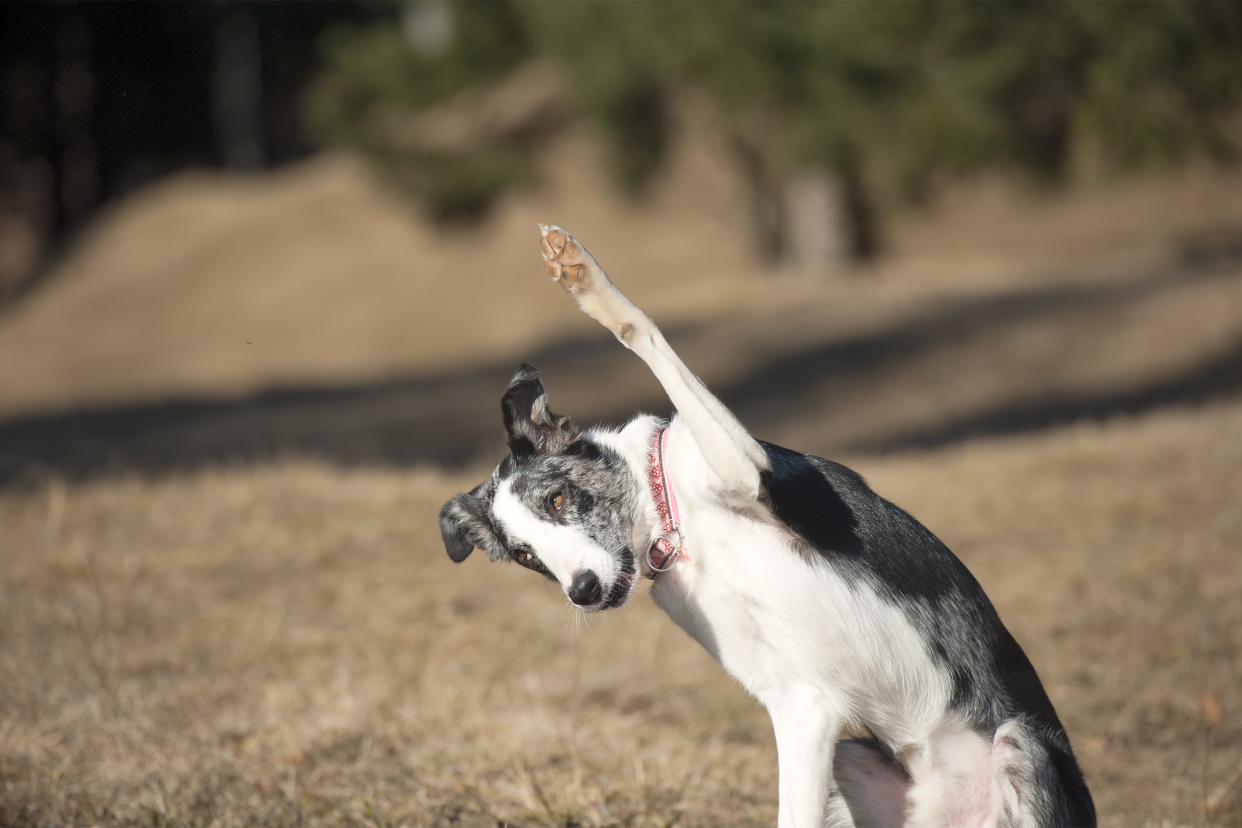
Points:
531	428
463	525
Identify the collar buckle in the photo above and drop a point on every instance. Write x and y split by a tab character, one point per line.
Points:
666	554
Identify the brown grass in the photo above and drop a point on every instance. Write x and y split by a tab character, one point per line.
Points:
289	645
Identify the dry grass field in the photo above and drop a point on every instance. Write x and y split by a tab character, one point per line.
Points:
198	641
289	645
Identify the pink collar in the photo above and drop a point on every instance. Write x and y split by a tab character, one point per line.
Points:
662	555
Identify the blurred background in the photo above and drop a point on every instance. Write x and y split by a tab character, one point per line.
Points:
266	268
232	229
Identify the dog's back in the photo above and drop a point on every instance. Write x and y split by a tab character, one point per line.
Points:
996	692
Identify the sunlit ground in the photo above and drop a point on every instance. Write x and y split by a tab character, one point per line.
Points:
290	645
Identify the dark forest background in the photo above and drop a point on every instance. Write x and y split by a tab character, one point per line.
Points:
855	105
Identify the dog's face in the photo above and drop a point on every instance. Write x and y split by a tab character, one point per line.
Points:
559	504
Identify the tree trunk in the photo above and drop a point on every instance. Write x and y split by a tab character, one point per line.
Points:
238	94
815	217
826	220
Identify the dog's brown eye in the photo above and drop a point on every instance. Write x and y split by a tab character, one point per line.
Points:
556	501
524	557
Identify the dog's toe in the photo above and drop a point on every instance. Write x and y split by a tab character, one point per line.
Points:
563	258
551	241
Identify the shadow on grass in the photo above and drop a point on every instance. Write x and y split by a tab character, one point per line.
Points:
1216	378
452	419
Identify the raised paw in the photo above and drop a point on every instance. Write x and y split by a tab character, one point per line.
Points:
566	261
569	263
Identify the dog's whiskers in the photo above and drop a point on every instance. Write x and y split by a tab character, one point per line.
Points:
576	619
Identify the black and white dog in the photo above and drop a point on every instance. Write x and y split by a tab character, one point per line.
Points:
833	607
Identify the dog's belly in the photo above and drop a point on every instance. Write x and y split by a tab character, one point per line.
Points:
775	622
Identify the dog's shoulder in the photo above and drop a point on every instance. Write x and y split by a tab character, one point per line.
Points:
849	526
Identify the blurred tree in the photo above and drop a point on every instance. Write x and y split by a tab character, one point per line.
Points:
850	103
97	99
379	75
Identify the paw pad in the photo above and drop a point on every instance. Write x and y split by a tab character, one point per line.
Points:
562	257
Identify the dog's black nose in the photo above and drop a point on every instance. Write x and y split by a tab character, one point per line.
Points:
585	589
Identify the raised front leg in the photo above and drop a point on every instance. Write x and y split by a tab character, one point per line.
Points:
731	452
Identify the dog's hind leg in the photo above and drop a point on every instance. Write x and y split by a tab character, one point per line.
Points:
1036	783
729	449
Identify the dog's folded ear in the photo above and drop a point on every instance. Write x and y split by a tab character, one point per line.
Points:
531	428
464	525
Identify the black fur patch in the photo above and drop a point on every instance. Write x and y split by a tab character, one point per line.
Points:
867	538
466	522
530	426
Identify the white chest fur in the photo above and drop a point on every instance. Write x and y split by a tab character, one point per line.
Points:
782	623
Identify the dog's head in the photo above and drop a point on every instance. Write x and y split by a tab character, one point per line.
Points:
559	504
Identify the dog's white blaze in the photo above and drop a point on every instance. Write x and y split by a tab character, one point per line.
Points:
564	550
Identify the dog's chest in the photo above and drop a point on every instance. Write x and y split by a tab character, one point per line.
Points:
723	593
772	619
